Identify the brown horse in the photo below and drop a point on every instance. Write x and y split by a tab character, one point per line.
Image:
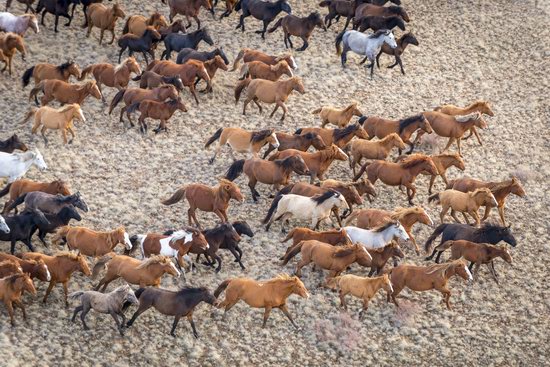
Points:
298	26
399	174
363	288
188	73
212	67
22	186
276	172
335	116
45	71
339	137
365	10
248	55
259	70
380	127
90	242
425	278
317	163
372	149
477	106
402	43
298	142
144	273
189	8
11	144
500	191
61	267
381	256
9	44
55	118
206	198
268	294
9	267
464	202
150	80
104	18
11	290
35	269
242	141
162	111
334	237
112	76
269	92
136	24
65	93
363	187
174	27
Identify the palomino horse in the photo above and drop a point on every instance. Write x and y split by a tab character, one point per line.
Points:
206	198
379	149
276	172
90	242
268	294
9	44
20	228
189	8
45	71
137	24
179	303
381	127
402	43
399	174
104	18
298	142
300	27
11	290
48	203
65	93
464	202
188	73
112	76
145	44
161	111
242	141
248	55
259	70
261	10
500	191
35	269
269	92
482	107
11	144
359	287
335	116
143	273
18	24
377	237
317	163
425	278
61	267
55	118
15	165
339	137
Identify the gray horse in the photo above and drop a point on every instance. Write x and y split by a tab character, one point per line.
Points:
48	203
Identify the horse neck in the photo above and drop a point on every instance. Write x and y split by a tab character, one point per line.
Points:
155	271
416	169
447	161
288	86
408	220
501	192
222	196
67	266
409	130
387	144
124	70
286	290
82	93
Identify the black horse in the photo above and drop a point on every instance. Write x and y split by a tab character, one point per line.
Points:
9	145
59	8
177	304
55	221
143	44
265	11
191	54
489	233
21	226
177	41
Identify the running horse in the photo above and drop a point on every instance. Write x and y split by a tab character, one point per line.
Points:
242	141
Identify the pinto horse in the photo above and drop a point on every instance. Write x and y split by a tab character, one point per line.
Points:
90	242
242	141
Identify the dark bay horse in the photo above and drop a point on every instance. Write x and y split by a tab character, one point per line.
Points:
59	8
12	143
55	221
265	11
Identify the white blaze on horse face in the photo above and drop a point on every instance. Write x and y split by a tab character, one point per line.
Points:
342	152
48	276
3	225
82	118
176	269
293	62
430	219
470	277
364	249
127	242
276	144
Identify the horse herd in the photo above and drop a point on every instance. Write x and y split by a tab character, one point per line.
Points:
366	237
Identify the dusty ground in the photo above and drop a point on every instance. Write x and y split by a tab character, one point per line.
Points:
494	50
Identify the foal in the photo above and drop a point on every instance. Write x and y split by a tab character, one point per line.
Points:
162	111
372	149
463	202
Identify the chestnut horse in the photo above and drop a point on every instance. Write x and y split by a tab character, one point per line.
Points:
380	257
65	93
298	142
242	141
248	55
9	267
188	73
300	27
402	43
162	111
11	290
104	18
90	242
22	186
259	70
442	163
137	24
464	202
112	76
363	187
372	149
35	269
9	44
45	71
209	199
334	237
477	106
339	137
335	116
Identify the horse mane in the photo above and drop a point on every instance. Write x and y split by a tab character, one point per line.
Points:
379	33
449	155
193	290
157	259
480	189
284	56
321	198
313	15
218	229
395	9
287	162
281	277
65	108
353	105
478	104
384	226
172	102
400	213
258	136
388	137
8	261
62	198
467	118
487	228
441	269
342	133
64	66
344	251
67	254
408	35
403	123
11	279
413	160
497	186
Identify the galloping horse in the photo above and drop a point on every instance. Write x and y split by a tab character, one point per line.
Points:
242	141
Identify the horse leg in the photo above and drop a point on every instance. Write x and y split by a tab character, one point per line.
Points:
304	45
488	211
56	22
275	109
252	185
372	70
446	296
85	309
453	214
42	18
348	19
192	90
284	308
342	296
443	212
501	214
267	311
241	23
377	59
458	145
255	100
198	21
237	257
19	304
394	294
432	181
9	307
141	309
190	319
493	271
285	39
303	262
400	64
451	141
344	56
48	291
262	32
76	311
112	38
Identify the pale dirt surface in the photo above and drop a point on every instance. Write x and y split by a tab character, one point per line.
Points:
494	50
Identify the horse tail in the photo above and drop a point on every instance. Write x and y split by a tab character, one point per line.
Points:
177	196
239	88
126	28
116	99
317	111
238	6
214	137
29	114
274	204
361	171
37	88
26	78
434	197
277	25
15	203
292	252
444	246
351	217
133	107
325	3
60	234
100	265
75	295
85	72
288	236
5	190
434	235
222	287
245	71
138	77
235	170
139	292
338	41
239	56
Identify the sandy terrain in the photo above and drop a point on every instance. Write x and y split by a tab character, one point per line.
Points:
494	50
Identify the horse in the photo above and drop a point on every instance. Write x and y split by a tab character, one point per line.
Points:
273	172
442	163
35	269
425	278
359	287
315	209
269	92
15	165
113	303
242	141
299	27
335	237
348	189
9	267
137	24
43	71
377	237
381	127
150	80
9	44
113	76
60	219
366	9
259	70
173	303
339	137
335	116
174	27
104	18
403	173
408	217
20	228
61	267
317	163
18	24
56	119
377	22
22	186
85	5
298	142
402	43
90	242
372	149
65	93
476	254
268	294
262	10
212	67
189	53
134	95
11	290
144	43
248	55
338	8
162	111
145	273
59	8
188	73
177	42
48	203
482	107
363	44
209	199
189	8
381	256
11	144
464	202
225	236
488	233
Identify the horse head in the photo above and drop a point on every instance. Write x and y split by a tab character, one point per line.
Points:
78	202
232	189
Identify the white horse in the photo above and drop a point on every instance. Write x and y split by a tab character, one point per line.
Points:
378	237
18	24
15	165
3	225
364	44
316	208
